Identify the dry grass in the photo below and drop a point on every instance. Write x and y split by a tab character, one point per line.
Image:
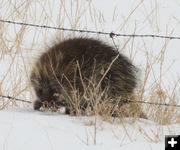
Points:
92	100
18	42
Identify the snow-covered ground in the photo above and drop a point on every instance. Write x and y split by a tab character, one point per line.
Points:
24	129
21	128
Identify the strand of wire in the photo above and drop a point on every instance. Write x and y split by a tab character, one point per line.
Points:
13	98
143	102
122	101
89	31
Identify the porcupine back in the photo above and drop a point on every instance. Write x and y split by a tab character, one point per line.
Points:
56	71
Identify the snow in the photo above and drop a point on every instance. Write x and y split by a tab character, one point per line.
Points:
26	129
22	128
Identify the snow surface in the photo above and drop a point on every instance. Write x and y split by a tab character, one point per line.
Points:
25	129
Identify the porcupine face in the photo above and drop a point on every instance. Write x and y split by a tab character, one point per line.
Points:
47	95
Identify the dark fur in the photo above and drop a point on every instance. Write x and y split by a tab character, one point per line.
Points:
56	70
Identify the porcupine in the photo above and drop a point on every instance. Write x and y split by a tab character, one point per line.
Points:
69	62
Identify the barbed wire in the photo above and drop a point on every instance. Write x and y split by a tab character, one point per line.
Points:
90	31
151	103
17	99
122	101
